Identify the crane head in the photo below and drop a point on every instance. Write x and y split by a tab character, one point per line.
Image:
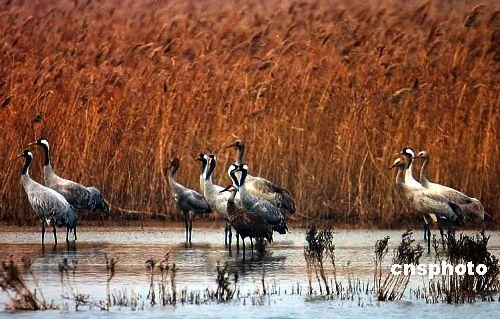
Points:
423	155
229	188
41	142
398	163
236	144
26	154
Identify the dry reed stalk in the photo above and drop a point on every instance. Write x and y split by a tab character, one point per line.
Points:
323	94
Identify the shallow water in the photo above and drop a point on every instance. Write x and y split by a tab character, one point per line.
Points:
284	268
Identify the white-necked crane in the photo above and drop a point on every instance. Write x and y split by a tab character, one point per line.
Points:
261	187
257	205
217	199
49	205
471	206
409	153
246	223
425	202
189	201
77	195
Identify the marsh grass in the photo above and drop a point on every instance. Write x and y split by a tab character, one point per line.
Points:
13	283
225	287
394	286
456	288
380	249
119	88
320	249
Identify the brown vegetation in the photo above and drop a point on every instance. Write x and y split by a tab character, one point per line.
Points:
323	93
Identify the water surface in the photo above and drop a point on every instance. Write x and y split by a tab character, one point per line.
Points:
284	269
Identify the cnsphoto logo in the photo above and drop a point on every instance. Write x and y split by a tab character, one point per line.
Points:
443	269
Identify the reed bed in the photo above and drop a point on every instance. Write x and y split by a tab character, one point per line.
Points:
323	93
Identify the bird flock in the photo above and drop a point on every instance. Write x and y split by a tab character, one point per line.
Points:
252	206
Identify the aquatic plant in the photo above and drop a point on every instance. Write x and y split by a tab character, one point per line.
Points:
320	247
225	288
381	248
150	265
456	288
22	297
406	253
110	273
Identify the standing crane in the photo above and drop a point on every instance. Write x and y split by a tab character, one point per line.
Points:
217	199
49	205
77	195
259	206
472	207
189	202
261	187
246	223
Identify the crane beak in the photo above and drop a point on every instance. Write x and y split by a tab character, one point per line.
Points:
20	155
226	189
391	167
229	146
32	143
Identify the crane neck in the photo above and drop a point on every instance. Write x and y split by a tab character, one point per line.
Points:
231	207
409	172
203	166
46	154
423	172
171	173
400	177
210	169
241	152
26	166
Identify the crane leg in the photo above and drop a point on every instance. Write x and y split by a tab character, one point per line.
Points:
225	235
54	230
450	231
187	227
251	246
441	231
237	242
428	240
191	217
67	235
230	235
426	227
74	232
243	244
43	232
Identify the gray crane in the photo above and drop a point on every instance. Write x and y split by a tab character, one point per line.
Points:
77	195
261	187
189	202
217	199
409	153
471	206
257	205
424	202
246	223
49	205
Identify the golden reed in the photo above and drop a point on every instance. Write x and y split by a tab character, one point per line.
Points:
323	93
